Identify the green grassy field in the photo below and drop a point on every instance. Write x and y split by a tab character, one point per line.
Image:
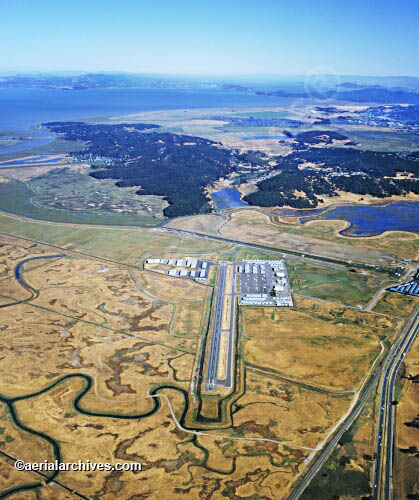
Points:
121	244
332	284
16	198
73	188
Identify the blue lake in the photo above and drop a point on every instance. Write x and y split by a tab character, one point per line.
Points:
227	198
369	220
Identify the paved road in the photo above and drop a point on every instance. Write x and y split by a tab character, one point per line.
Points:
382	483
324	261
328	449
211	382
374	300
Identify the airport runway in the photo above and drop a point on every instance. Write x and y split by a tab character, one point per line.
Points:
228	382
211	382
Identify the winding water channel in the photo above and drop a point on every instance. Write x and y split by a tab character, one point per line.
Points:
154	395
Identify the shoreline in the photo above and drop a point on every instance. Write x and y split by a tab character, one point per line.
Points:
372	236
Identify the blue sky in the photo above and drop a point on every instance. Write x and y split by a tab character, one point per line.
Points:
211	37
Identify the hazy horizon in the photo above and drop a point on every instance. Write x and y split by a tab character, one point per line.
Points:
211	39
279	76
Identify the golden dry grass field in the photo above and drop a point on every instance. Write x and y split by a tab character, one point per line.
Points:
189	318
222	356
395	304
346	474
287	411
225	323
292	342
87	342
110	336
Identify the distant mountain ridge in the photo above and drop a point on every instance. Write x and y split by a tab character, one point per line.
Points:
370	94
347	91
87	81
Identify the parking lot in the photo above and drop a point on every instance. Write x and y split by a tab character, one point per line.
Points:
264	283
253	283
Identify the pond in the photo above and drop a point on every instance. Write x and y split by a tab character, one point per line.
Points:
227	198
370	220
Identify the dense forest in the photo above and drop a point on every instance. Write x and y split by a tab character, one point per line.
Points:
319	137
336	169
177	167
180	167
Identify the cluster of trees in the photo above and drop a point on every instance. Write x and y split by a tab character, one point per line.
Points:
373	163
354	171
319	136
119	141
177	167
414	423
279	191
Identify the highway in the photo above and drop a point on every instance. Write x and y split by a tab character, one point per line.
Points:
211	382
324	261
328	449
382	482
